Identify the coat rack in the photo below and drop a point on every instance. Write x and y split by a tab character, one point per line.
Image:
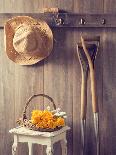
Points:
68	20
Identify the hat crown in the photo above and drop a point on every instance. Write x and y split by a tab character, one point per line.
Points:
27	40
24	40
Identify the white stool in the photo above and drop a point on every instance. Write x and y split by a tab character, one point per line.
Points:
23	135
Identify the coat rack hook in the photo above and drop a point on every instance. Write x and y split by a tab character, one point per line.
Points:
58	20
103	21
82	21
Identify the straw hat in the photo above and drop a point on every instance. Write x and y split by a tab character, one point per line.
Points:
27	40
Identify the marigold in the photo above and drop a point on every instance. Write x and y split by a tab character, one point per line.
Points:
46	119
60	122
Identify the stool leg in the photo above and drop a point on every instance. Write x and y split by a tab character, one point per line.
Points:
64	147
30	149
14	146
49	150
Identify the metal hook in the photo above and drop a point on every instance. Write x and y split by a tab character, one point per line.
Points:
82	21
103	21
58	20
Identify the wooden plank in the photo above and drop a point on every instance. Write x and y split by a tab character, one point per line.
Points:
88	7
62	4
28	81
20	82
58	73
109	83
12	6
17	85
69	20
7	100
76	97
110	6
62	69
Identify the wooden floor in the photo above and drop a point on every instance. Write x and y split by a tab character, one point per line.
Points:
59	76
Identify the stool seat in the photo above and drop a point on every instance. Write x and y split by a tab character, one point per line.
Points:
22	134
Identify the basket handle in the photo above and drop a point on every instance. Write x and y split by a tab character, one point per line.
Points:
36	95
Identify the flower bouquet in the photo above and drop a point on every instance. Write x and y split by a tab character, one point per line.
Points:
44	120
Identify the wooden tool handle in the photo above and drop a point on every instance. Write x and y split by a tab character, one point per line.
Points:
84	74
84	96
92	76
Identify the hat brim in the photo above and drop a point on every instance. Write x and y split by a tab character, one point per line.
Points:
10	28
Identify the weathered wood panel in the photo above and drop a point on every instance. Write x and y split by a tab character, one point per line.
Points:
7	100
58	71
18	83
28	81
90	6
87	7
109	84
16	88
59	76
110	6
8	6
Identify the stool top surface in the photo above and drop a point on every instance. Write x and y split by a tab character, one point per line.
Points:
27	132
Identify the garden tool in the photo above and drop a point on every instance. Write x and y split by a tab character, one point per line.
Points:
92	49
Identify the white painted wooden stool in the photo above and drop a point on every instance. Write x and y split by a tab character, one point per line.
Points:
22	134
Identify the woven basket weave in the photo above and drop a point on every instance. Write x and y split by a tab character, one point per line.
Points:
26	123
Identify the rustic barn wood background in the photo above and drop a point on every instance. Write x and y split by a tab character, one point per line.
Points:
59	76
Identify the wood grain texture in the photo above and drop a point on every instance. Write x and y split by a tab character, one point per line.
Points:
28	81
109	82
62	4
20	6
108	126
76	98
90	6
71	20
90	135
6	101
57	71
18	83
110	6
60	77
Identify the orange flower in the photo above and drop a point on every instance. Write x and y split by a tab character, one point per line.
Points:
45	119
60	122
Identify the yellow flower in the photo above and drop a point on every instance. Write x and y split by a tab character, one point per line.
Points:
60	121
45	119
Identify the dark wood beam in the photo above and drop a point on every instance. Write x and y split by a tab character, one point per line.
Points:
68	20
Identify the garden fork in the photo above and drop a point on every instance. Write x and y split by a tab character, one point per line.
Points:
86	59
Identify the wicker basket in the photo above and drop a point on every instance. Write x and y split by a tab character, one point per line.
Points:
26	123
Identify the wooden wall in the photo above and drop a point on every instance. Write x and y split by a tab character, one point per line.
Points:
59	76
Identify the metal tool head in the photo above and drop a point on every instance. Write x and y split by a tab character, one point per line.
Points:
92	45
96	126
83	134
92	49
95	43
82	58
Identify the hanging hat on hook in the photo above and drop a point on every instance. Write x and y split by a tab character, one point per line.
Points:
27	40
